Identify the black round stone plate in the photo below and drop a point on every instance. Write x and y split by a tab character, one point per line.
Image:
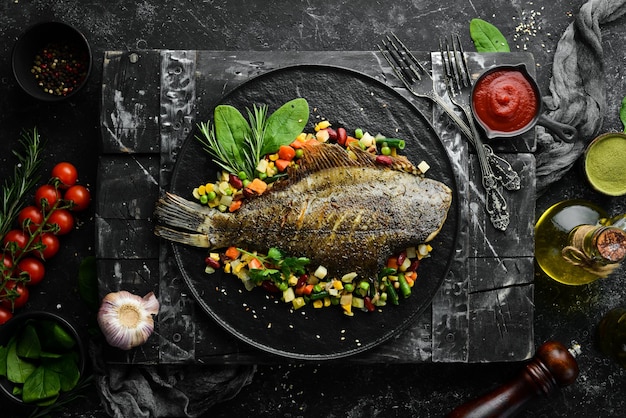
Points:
352	100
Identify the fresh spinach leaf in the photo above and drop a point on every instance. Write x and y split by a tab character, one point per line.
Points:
28	345
42	385
54	338
232	129
285	124
67	369
18	370
486	37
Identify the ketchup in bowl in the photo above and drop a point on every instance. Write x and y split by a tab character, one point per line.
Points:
505	101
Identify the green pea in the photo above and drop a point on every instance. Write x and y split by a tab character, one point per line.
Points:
211	196
204	199
385	150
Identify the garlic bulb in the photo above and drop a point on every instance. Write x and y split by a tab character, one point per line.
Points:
126	319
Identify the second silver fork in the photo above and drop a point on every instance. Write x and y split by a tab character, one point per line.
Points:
458	82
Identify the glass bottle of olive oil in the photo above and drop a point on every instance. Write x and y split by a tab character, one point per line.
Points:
575	244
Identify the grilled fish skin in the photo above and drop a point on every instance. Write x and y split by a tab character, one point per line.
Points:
348	214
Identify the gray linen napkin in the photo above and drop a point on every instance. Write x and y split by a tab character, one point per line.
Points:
577	92
165	391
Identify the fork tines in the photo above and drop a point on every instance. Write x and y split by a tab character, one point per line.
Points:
401	60
455	63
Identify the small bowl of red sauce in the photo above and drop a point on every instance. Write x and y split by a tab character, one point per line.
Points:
506	102
51	61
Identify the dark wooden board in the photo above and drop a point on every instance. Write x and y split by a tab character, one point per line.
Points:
151	102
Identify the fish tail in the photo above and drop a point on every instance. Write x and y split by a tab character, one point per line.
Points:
177	212
196	240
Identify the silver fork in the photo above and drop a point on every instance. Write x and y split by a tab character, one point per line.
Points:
459	83
411	72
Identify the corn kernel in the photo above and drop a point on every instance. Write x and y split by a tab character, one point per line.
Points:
215	256
337	285
227	268
298	302
322	125
327	302
273	157
209	187
301	137
293	280
317	304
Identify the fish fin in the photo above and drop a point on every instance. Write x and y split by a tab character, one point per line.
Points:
195	240
326	156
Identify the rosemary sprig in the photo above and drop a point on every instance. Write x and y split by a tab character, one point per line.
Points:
24	178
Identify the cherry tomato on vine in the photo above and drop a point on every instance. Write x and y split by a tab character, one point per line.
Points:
30	217
51	245
79	195
19	237
66	173
5	315
64	220
21	295
7	262
34	268
47	193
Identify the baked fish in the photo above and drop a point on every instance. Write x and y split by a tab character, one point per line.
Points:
347	211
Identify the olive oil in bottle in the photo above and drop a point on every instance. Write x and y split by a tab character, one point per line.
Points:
575	245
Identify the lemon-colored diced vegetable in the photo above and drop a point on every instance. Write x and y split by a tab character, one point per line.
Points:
367	140
215	256
288	295
226	200
209	270
298	302
349	277
262	166
358	303
411	252
405	264
322	135
293	280
322	125
320	272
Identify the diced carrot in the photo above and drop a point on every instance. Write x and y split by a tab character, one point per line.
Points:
350	140
297	144
232	253
282	165
258	186
235	205
285	152
392	262
308	289
255	264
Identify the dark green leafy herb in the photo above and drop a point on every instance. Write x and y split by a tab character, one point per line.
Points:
284	267
237	145
24	178
486	37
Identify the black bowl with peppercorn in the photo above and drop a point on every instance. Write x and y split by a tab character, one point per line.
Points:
51	61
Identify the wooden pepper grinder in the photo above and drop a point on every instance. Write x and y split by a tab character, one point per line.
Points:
553	366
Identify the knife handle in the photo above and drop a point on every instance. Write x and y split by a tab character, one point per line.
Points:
553	366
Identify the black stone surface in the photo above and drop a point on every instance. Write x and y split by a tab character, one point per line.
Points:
427	390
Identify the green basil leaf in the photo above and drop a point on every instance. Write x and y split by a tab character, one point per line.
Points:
486	37
42	385
28	345
285	124
622	113
18	369
231	128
